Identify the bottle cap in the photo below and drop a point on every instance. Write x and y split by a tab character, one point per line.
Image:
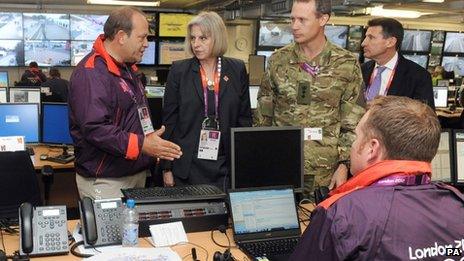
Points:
130	203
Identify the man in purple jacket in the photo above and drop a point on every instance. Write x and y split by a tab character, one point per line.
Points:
389	210
114	145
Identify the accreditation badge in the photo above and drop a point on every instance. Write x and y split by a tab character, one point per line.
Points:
312	133
304	95
145	121
208	146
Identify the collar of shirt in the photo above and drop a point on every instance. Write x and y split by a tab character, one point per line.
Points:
322	59
386	74
390	64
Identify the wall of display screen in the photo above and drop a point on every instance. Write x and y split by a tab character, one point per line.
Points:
64	39
424	47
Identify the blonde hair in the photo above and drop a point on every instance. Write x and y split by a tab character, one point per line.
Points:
211	24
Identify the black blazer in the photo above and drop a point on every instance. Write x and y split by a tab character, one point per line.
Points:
183	110
410	80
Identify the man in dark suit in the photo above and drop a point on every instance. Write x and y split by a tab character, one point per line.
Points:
388	72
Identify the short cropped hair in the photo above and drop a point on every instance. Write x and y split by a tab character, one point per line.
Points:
390	28
322	6
33	65
54	72
120	19
212	25
407	128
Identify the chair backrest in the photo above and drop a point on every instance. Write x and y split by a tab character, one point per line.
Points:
18	183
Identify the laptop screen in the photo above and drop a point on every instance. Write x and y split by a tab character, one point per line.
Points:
263	210
440	96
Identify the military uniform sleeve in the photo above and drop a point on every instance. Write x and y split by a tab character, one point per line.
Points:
264	114
350	111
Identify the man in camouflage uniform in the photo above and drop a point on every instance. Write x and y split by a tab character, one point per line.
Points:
314	84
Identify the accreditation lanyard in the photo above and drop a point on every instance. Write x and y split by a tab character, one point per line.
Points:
215	86
125	87
388	83
403	180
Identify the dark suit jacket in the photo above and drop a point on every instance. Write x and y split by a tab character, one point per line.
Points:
183	111
410	80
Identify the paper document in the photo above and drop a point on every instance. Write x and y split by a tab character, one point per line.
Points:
168	234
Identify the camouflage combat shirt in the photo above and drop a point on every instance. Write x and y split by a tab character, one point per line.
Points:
290	96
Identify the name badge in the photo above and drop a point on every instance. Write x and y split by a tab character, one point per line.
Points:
312	133
208	146
145	121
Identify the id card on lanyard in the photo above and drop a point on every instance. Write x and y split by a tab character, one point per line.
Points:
210	136
142	109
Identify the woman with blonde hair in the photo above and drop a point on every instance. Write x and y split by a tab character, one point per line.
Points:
206	94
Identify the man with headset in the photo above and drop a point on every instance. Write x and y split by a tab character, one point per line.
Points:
389	210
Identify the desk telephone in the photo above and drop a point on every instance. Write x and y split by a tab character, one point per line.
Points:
101	221
43	230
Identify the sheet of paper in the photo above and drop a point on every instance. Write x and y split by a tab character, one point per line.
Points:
137	253
12	143
168	234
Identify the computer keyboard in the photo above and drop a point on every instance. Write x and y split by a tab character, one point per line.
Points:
171	194
270	247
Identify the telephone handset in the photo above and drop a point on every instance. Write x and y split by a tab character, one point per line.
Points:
101	221
43	230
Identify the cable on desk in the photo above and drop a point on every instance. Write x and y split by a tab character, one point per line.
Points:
75	253
221	229
189	243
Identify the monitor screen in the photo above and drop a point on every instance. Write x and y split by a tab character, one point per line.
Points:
11	26
254	96
3	79
440	96
55	123
273	33
11	52
416	41
453	64
421	60
441	163
48	53
79	49
170	51
87	27
454	42
173	24
20	119
337	34
459	154
42	26
3	96
148	57
29	94
267	156
151	19
155	104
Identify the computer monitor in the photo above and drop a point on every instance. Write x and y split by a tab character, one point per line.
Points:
45	26
416	41
440	96
3	79
55	123
442	163
267	156
453	65
453	42
3	96
170	51
421	60
20	119
24	94
459	154
254	96
337	34
148	57
11	52
155	105
274	33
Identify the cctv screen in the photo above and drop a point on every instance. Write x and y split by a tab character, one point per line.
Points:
416	41
441	163
19	95
454	42
337	34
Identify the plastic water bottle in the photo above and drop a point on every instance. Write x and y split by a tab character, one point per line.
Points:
130	225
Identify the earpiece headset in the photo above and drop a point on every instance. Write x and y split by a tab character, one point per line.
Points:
227	255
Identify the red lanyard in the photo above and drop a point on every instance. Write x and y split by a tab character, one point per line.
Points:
389	80
204	82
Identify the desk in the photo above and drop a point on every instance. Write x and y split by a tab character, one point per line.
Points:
199	238
43	149
446	113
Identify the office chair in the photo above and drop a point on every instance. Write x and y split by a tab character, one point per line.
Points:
18	184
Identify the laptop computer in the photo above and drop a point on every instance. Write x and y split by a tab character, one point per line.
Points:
265	221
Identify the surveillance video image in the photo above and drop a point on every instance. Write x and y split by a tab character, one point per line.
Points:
417	41
275	34
11	26
454	43
87	27
419	59
46	26
452	63
79	49
11	53
337	34
48	53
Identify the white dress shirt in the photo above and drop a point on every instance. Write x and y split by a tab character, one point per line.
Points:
386	74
